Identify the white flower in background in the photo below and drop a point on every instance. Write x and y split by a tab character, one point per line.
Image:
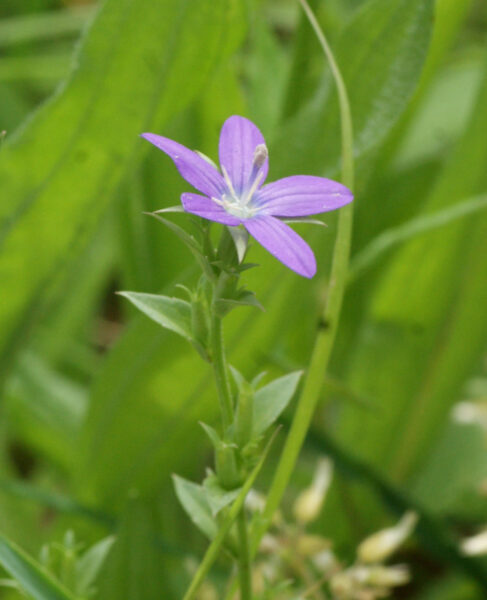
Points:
471	413
382	544
309	503
475	545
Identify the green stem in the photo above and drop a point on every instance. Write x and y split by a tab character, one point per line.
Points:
224	394
326	335
244	558
221	372
217	543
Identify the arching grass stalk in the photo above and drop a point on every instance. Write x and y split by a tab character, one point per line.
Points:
326	335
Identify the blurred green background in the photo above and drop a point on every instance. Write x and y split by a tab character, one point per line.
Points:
99	407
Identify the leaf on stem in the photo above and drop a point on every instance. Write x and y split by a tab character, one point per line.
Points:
271	400
194	500
171	313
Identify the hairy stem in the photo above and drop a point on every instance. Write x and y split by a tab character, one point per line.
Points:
220	370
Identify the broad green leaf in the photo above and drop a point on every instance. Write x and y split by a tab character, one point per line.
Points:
44	25
380	53
171	313
77	146
89	565
51	421
272	399
29	574
140	565
423	333
418	226
194	500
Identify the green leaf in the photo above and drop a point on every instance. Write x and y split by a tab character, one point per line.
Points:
171	313
217	543
380	53
29	574
89	565
80	143
194	500
194	247
244	298
272	399
420	225
218	497
423	331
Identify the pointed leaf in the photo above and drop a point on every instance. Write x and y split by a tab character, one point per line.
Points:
32	578
272	399
89	565
171	313
193	499
193	246
225	305
170	209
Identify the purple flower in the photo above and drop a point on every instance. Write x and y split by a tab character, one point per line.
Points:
236	196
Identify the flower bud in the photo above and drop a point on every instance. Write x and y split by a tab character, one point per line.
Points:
475	545
309	545
471	413
387	577
342	585
382	544
308	504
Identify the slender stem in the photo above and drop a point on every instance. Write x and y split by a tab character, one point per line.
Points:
224	393
326	335
217	543
244	558
221	372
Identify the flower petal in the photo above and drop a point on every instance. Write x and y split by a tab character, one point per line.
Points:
208	209
195	169
301	195
239	138
283	243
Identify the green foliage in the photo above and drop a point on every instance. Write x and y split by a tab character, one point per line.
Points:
171	313
271	400
100	405
194	500
37	583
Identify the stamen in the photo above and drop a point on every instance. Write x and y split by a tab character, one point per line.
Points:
260	156
250	192
228	181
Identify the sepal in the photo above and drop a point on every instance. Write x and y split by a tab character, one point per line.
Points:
195	247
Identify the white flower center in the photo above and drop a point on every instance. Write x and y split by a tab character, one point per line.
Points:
240	204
